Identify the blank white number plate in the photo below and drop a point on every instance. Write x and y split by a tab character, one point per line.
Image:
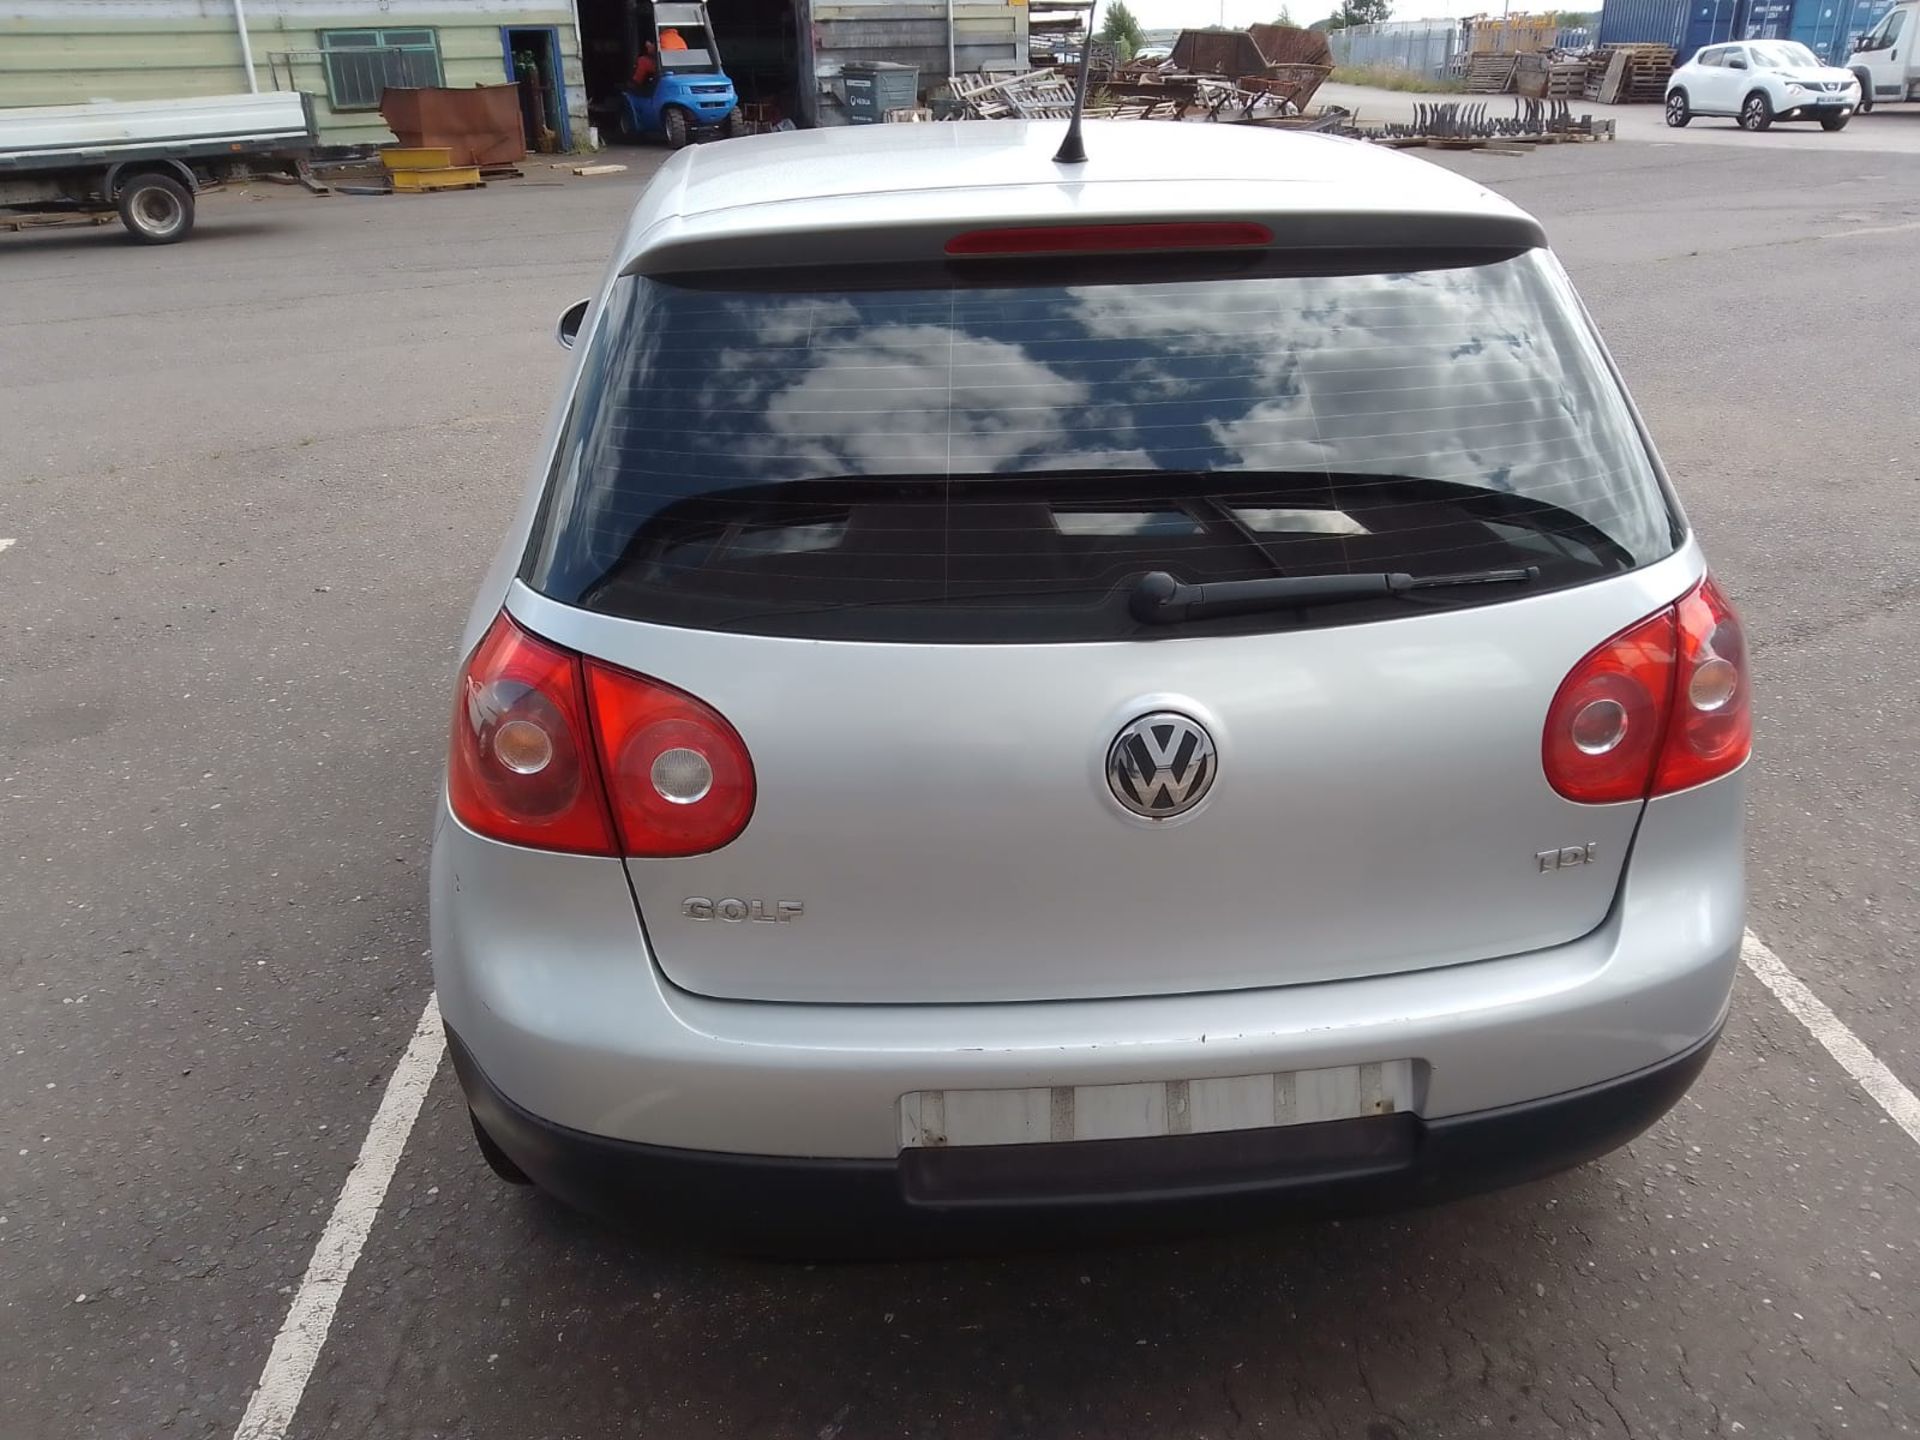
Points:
1154	1107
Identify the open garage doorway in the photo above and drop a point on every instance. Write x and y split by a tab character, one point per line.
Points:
533	63
764	46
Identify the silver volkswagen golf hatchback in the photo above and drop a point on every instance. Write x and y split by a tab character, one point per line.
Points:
1027	694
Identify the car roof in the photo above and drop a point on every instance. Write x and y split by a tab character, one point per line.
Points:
871	193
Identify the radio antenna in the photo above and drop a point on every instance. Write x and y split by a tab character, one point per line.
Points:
1073	149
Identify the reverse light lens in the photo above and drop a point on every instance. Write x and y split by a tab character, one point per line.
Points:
523	746
1599	726
682	776
1713	684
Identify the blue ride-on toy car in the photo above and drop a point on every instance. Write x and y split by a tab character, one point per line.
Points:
687	92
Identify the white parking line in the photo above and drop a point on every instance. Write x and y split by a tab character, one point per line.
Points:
6	544
297	1347
1811	1011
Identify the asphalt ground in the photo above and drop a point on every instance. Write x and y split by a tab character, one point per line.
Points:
251	482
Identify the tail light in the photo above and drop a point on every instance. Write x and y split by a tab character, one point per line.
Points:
1662	706
678	774
1712	727
521	766
559	753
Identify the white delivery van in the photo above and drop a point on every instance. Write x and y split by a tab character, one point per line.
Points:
1883	59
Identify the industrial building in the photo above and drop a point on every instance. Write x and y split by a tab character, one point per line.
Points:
785	56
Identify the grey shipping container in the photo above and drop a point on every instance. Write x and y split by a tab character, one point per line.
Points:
874	89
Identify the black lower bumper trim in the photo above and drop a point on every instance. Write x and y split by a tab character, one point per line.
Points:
946	1198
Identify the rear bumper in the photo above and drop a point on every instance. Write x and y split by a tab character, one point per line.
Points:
545	974
1076	1190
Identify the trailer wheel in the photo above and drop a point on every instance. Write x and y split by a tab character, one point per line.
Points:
156	209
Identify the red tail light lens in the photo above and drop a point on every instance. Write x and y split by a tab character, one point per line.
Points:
1712	727
521	765
559	753
678	775
1604	727
1660	707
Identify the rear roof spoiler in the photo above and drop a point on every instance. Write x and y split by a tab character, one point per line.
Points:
867	230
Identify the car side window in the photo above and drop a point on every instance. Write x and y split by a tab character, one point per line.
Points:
1708	57
1737	59
1896	22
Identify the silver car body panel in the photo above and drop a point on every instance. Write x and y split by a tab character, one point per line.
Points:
942	815
545	973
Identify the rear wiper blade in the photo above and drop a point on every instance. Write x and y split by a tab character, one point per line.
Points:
1159	599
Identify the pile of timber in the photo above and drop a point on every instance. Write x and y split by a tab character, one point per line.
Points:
1545	76
1490	74
1629	74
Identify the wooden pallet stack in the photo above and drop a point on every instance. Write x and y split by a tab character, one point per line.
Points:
1544	76
1629	74
1490	73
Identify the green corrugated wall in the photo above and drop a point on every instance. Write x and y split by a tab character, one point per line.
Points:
64	62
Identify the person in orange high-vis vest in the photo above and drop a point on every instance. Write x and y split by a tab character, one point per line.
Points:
646	69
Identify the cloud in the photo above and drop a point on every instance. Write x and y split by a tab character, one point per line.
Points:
919	400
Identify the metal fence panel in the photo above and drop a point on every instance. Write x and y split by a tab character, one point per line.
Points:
1419	47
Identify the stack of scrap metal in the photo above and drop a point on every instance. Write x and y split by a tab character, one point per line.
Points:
1290	45
1460	125
1254	96
1036	95
1263	74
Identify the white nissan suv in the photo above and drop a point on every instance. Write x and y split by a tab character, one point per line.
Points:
1758	82
1029	690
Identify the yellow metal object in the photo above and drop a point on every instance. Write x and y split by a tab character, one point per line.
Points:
426	157
452	177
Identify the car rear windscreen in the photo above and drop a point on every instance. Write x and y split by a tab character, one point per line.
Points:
961	457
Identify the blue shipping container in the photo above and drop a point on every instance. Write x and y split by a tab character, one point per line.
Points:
1829	27
1826	27
1645	22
